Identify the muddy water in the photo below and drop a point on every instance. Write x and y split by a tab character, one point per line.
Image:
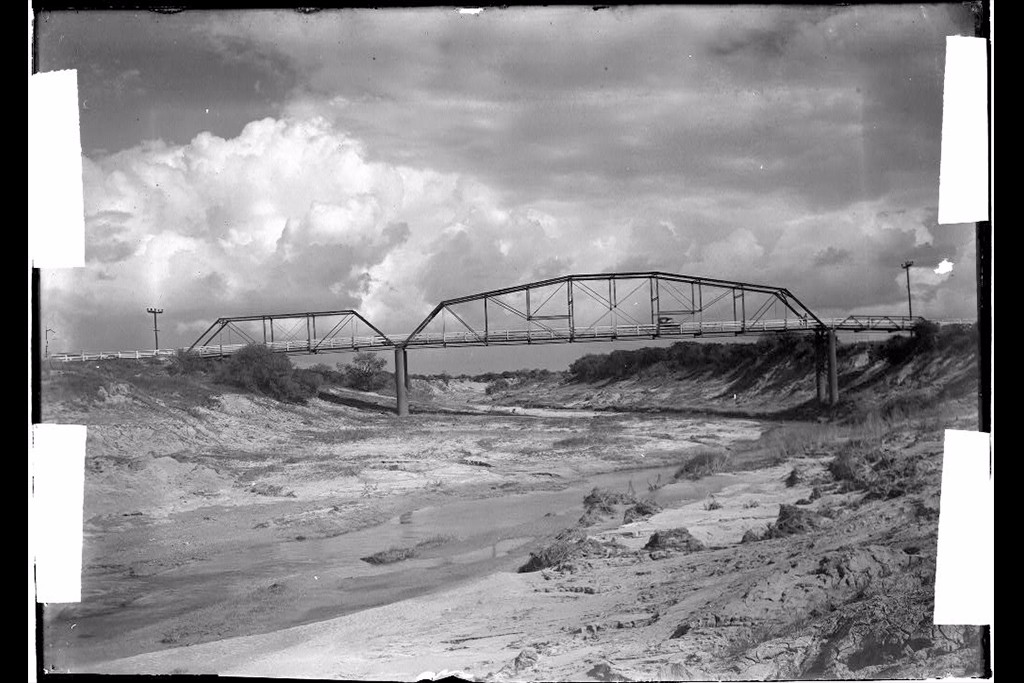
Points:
275	585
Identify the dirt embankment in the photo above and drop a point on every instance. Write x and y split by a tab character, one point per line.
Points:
816	567
891	376
818	563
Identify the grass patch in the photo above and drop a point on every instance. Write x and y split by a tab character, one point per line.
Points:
568	545
712	504
793	478
703	462
792	520
641	510
601	503
392	555
679	538
881	474
337	436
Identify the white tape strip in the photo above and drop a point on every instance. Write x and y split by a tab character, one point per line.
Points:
963	169
56	224
964	575
55	516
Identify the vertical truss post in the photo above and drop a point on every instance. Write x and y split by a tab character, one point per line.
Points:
611	305
656	305
264	330
314	326
528	325
734	304
271	330
569	309
309	335
700	308
833	369
743	307
401	379
486	325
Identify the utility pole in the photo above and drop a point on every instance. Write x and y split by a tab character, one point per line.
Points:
156	336
906	266
46	353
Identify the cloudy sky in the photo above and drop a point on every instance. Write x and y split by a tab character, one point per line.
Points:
250	162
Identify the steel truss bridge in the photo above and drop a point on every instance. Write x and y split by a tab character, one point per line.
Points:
566	309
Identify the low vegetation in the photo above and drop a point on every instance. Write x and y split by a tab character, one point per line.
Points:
568	545
641	510
257	369
602	503
703	462
688	356
392	555
880	473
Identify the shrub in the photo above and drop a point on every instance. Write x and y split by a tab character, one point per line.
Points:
569	545
712	504
792	520
184	362
642	510
392	555
601	502
878	474
679	538
704	462
498	385
365	372
257	369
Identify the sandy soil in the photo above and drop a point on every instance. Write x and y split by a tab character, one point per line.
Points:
220	539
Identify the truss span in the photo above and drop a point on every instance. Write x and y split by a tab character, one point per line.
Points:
342	330
568	309
610	306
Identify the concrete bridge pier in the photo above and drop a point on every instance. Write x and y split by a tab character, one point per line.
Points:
833	370
819	367
401	382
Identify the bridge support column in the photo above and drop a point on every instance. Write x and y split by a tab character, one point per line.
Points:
401	381
405	358
833	370
819	367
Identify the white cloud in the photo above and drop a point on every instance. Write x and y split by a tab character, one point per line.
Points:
289	215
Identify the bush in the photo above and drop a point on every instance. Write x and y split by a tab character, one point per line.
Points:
365	372
877	473
257	369
569	545
703	463
498	385
642	510
184	362
679	538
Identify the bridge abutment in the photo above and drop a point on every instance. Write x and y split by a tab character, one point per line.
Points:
401	382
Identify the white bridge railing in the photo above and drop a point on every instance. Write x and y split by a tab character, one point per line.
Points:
672	329
541	335
301	346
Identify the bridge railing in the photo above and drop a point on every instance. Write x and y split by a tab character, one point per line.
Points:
302	346
648	330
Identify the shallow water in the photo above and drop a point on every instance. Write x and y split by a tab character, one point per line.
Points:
286	583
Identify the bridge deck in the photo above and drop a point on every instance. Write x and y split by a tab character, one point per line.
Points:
888	324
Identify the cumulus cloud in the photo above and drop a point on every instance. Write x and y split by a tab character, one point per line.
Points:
788	146
289	215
